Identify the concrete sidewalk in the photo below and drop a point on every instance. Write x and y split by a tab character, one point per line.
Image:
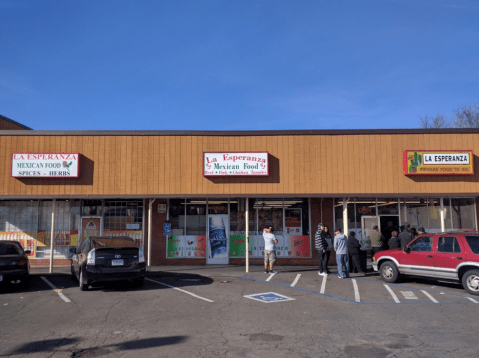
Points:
203	270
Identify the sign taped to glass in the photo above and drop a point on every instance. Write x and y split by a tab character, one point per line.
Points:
235	164
45	165
438	162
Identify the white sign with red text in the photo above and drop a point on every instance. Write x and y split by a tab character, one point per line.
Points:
45	165
235	164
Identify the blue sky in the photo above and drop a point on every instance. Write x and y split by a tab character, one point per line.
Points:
236	65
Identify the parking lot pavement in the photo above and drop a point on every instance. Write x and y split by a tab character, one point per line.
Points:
294	313
220	283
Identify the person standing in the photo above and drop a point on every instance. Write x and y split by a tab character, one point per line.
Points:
341	248
376	239
327	236
394	242
269	250
353	249
405	236
321	245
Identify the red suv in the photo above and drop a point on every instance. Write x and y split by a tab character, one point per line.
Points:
445	256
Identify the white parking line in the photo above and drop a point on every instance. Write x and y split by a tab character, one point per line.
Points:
179	289
270	277
472	299
296	280
57	291
395	298
430	297
323	285
356	291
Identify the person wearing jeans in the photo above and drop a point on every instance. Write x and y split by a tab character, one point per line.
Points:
341	248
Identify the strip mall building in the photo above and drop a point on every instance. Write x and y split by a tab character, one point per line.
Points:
189	197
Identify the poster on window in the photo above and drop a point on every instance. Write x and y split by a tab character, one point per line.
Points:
186	246
287	246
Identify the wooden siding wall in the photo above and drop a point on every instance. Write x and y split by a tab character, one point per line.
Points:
300	164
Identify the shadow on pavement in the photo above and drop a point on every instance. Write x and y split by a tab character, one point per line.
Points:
54	345
66	281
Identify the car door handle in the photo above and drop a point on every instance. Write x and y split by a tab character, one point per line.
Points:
429	256
459	258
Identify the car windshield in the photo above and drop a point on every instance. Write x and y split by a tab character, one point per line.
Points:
10	249
473	242
101	242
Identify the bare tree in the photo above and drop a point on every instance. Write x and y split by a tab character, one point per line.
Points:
435	122
467	117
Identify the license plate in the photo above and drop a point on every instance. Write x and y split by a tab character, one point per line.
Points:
117	262
1	277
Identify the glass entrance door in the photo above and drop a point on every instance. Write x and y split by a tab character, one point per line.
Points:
367	224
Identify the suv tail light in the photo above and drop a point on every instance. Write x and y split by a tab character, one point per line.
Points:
141	257
91	258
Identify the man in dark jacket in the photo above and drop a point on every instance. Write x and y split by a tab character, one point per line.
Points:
321	245
353	250
405	236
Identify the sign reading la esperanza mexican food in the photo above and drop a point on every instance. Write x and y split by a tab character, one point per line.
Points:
430	162
235	164
45	165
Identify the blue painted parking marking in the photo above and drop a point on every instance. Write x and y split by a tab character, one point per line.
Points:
269	297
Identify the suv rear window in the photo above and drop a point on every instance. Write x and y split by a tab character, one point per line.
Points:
473	242
113	242
10	249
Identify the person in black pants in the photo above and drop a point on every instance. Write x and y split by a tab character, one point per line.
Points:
327	254
353	250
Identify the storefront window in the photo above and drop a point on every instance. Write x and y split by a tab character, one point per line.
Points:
237	216
124	217
196	216
388	207
67	219
270	214
92	208
338	214
463	214
19	222
447	214
415	212
434	215
177	209
217	206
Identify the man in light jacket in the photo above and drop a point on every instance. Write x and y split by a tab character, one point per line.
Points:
341	248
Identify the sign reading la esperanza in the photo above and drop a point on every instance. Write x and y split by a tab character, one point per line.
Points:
429	162
235	164
45	165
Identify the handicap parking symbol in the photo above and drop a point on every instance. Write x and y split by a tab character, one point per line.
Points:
269	297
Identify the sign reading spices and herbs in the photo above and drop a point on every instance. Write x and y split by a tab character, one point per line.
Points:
235	164
430	162
45	165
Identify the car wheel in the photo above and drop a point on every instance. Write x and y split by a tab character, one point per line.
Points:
470	282
83	286
74	277
389	272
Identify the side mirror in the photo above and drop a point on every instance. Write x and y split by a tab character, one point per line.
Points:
28	252
73	250
407	249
